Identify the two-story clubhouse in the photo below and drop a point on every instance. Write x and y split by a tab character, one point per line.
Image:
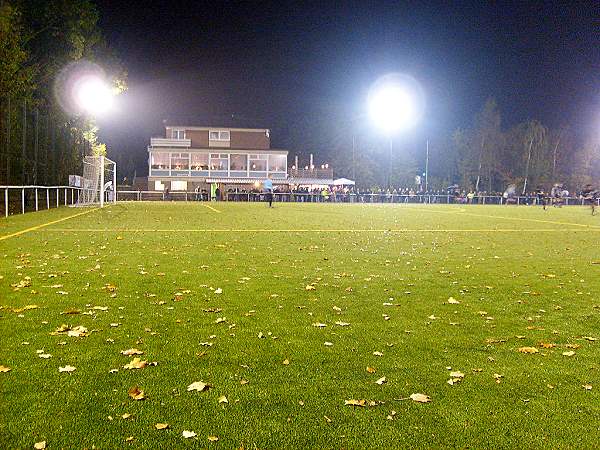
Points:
189	157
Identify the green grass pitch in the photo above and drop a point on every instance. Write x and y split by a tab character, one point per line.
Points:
493	313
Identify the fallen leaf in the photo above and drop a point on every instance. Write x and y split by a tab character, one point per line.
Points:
528	350
371	369
126	416
45	355
188	434
286	362
136	363
319	325
342	324
310	287
136	393
213	438
420	398
328	344
353	402
453	301
161	426
587	387
222	399
5	369
40	445
569	353
381	381
66	369
377	354
198	386
132	351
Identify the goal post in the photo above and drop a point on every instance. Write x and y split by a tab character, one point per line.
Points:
99	181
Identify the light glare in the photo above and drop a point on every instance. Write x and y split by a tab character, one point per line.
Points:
93	95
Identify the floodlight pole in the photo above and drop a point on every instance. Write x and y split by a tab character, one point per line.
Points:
389	174
426	166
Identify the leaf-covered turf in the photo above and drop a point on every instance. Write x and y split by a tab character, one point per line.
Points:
236	299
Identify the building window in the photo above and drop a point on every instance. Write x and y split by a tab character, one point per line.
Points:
239	162
258	163
199	161
219	162
180	161
218	135
160	161
159	186
177	185
277	163
178	134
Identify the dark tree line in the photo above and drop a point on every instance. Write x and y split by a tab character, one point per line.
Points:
40	142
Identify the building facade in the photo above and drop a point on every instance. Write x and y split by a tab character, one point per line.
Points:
190	157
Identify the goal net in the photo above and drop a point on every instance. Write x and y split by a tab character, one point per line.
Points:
99	181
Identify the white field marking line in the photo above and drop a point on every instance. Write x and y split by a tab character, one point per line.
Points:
306	230
37	227
210	207
553	222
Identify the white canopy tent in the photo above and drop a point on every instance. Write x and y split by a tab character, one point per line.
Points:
343	182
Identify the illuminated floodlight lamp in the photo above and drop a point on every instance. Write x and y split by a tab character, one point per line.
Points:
395	103
93	95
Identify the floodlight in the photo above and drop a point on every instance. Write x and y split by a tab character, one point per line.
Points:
92	94
395	103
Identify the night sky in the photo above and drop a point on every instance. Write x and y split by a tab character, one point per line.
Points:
299	67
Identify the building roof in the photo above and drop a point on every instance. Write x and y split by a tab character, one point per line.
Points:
228	180
216	128
309	181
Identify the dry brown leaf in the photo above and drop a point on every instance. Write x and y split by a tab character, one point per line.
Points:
528	350
319	325
161	426
420	398
126	416
381	381
5	369
213	438
198	386
222	399
371	369
353	402
66	369
569	353
40	445
136	393
547	345
310	287
286	362
587	387
188	434
136	363
131	352
453	301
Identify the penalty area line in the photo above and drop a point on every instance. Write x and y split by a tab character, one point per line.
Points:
306	230
43	225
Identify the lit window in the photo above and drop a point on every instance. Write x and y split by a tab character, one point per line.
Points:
160	161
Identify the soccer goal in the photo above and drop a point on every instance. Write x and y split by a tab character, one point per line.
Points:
99	181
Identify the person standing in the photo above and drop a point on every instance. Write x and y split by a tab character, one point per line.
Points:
268	188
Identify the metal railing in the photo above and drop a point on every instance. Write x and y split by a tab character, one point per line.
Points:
22	199
304	197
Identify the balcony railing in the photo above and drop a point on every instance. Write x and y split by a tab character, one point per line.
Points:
311	173
170	142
